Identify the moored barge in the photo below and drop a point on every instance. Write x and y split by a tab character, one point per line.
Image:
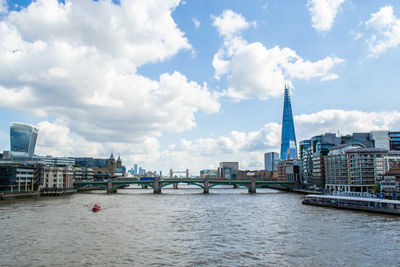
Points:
355	203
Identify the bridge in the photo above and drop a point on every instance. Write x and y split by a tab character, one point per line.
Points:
157	184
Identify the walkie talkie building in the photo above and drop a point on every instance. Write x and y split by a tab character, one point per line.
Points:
22	139
288	141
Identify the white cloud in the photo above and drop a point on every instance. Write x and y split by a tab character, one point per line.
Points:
387	26
256	71
78	62
355	35
196	22
323	13
346	122
230	23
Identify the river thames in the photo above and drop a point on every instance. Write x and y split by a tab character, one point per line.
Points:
184	227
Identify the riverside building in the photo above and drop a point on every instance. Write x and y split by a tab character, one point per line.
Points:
16	178
354	170
312	152
55	179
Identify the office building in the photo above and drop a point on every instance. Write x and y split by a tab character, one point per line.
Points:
90	162
288	140
394	140
312	154
56	178
83	174
18	178
270	161
288	171
59	161
23	139
228	170
363	138
355	169
380	139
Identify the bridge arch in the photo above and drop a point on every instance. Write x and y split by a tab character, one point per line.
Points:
101	185
244	185
196	184
164	185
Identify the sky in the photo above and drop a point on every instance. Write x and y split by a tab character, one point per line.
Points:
188	84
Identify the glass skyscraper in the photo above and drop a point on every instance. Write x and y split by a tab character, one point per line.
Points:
288	141
270	160
22	139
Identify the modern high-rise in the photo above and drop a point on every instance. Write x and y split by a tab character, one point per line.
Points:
312	153
380	139
288	141
22	139
394	140
270	160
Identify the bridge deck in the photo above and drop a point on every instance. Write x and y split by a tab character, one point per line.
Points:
185	181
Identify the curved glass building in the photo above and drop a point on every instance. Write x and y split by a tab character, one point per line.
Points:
22	139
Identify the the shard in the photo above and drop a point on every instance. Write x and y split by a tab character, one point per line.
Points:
288	140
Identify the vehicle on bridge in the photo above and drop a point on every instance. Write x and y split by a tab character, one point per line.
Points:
147	178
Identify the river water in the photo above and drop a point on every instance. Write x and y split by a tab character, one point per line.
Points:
184	227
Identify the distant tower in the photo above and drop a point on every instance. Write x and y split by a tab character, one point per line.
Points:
119	162
111	165
288	141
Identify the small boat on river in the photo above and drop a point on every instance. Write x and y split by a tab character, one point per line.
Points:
96	208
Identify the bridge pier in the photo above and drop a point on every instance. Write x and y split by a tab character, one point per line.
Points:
110	190
252	189
206	184
175	186
157	187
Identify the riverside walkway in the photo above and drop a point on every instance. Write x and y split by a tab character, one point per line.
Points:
157	184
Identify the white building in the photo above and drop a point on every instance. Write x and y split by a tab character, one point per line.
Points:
56	178
380	139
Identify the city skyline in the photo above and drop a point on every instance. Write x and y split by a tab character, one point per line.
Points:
207	85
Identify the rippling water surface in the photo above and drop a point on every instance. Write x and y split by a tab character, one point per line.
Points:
184	227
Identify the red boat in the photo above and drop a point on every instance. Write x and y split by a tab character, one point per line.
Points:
96	208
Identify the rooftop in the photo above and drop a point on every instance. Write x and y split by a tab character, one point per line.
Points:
367	150
346	145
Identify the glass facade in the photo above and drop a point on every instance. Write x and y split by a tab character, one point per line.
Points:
394	139
288	141
270	160
23	139
90	162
